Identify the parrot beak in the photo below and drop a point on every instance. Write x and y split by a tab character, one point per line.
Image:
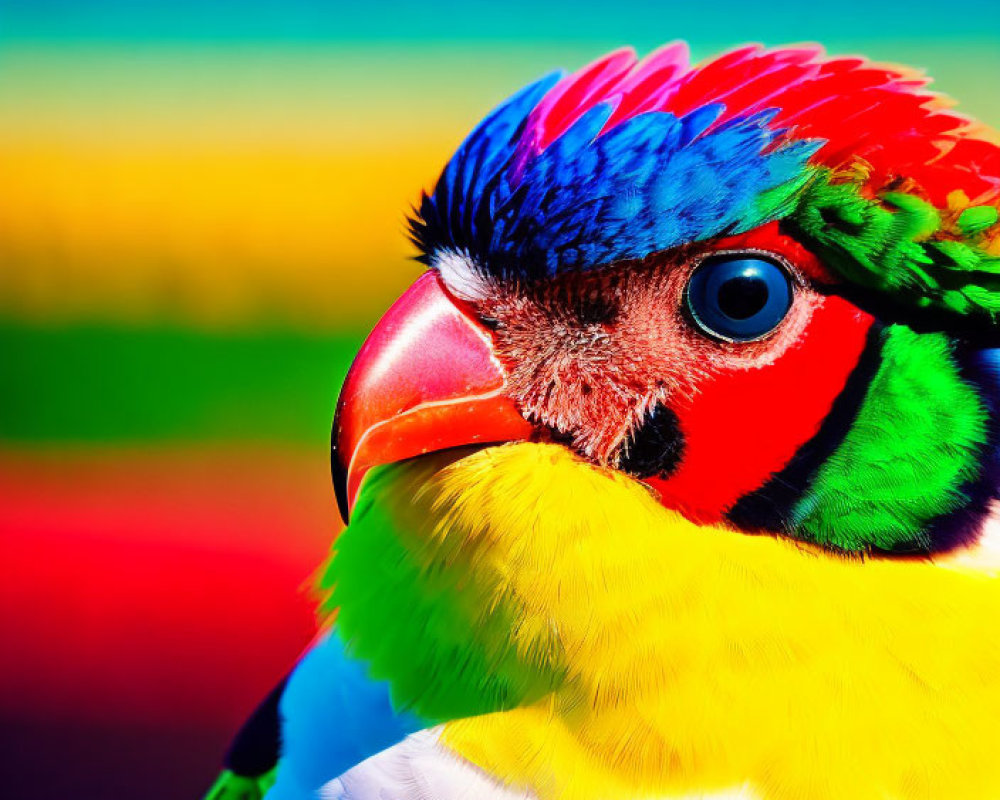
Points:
425	379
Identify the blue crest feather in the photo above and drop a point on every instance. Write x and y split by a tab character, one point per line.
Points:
650	183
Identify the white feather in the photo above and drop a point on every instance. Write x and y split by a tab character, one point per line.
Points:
460	275
422	768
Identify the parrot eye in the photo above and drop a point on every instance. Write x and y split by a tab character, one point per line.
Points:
738	297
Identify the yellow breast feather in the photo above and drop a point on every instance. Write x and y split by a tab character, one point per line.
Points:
699	659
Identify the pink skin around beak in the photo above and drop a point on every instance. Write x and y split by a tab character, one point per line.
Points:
424	380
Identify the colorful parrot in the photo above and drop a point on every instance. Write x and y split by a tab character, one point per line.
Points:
673	475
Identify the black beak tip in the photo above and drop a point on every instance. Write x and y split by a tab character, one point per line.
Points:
339	472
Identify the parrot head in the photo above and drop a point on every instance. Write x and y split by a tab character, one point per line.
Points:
764	288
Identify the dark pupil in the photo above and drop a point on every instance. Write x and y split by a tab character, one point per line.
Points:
741	297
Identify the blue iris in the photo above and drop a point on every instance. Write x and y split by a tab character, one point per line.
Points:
739	297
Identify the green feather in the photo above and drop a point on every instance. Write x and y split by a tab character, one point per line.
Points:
778	201
230	786
418	620
914	444
976	219
898	245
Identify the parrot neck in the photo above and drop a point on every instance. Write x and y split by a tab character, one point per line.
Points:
905	463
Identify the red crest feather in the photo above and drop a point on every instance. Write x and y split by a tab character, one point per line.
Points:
880	117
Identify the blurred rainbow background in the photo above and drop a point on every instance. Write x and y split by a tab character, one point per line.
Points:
201	215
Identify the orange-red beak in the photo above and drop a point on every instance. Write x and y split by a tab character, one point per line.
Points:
424	380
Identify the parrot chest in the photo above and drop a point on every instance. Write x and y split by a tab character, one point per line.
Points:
711	661
636	654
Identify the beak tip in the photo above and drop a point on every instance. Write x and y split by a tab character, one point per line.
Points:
339	474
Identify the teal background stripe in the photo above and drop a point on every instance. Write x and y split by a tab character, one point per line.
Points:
643	23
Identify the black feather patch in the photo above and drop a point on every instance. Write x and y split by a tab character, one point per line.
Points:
255	748
655	447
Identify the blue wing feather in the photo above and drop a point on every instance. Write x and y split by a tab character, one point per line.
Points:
333	716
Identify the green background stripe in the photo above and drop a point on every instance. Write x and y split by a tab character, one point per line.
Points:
103	384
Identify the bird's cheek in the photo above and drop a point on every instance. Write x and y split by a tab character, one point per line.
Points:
742	426
425	380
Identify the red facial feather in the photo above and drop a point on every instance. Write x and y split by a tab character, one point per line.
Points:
742	426
780	407
588	354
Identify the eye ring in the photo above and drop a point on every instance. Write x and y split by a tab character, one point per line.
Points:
739	296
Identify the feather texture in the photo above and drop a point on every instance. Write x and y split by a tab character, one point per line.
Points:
692	658
623	158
